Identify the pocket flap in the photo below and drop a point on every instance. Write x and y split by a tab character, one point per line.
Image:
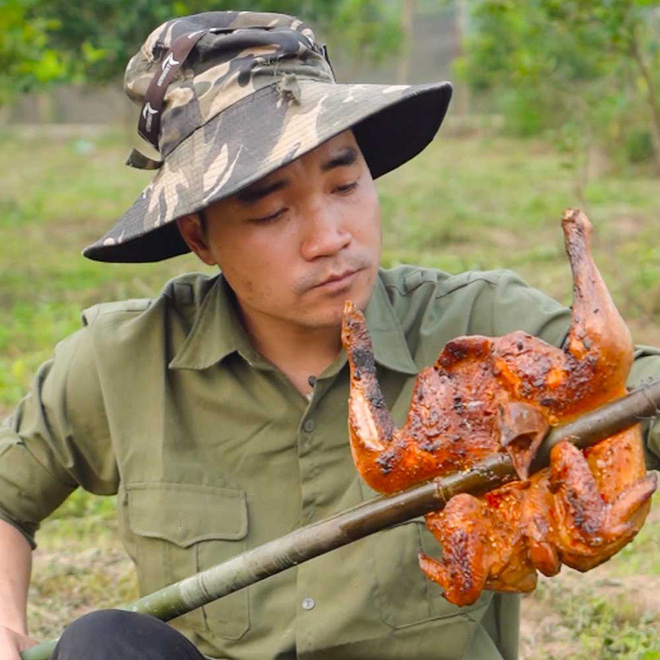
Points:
185	514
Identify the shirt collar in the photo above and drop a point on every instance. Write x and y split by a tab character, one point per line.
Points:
217	332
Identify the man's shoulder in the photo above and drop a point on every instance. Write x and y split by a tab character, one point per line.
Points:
411	282
181	296
434	304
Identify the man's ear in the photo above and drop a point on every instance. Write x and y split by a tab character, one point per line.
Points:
193	234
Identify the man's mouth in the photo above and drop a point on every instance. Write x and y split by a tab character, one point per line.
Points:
338	280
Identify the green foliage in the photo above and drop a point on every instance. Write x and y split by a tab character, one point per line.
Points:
97	39
589	63
602	627
93	42
639	145
367	29
26	59
83	505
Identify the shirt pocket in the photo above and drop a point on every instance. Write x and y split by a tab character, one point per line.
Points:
405	596
181	529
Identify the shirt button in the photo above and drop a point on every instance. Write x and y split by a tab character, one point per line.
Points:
308	603
309	425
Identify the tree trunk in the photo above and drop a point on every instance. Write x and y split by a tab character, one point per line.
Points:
651	94
460	30
407	14
45	108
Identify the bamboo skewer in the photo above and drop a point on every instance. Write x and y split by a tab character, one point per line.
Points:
377	514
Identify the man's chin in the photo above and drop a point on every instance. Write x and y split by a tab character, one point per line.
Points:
328	311
325	320
331	317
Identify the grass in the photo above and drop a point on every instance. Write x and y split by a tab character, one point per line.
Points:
487	202
80	565
590	625
610	613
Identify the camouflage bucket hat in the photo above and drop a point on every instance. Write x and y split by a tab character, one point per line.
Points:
228	98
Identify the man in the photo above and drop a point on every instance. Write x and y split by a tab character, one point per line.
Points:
218	410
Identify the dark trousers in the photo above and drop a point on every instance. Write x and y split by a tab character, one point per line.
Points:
114	634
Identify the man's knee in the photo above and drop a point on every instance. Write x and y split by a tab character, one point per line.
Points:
97	627
116	633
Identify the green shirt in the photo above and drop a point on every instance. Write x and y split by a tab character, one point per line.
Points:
213	451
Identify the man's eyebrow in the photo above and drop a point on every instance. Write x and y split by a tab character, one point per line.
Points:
347	156
255	193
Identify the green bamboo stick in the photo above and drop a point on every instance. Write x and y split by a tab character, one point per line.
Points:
377	514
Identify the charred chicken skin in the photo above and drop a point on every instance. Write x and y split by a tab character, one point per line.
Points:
486	395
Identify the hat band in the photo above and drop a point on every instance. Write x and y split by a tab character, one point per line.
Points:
149	122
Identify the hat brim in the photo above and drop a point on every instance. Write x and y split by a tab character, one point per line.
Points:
257	136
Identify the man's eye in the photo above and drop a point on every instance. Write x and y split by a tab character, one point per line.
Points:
348	187
269	218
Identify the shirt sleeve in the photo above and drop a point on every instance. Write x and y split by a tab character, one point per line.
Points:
517	306
645	369
57	439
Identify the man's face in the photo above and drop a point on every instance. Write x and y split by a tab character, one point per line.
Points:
299	242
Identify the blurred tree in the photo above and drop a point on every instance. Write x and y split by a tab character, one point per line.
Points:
587	68
94	40
364	30
630	33
25	57
407	16
460	32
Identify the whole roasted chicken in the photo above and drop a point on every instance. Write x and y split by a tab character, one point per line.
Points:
486	395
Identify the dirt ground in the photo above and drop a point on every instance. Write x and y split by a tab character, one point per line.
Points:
543	631
567	613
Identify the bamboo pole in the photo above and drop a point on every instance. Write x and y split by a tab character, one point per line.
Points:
377	514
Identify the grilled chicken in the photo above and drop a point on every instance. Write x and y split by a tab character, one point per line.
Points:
486	395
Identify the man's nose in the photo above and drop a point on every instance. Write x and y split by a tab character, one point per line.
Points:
324	233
